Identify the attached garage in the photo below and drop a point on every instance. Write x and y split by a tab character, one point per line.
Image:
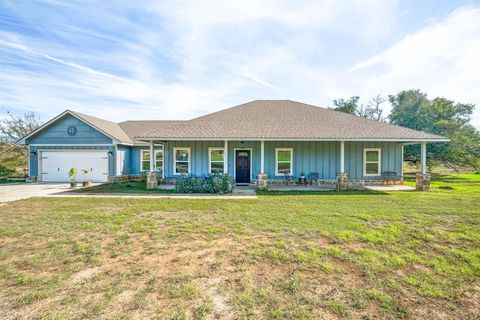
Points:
55	165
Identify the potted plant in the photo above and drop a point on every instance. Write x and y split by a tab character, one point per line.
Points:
73	177
85	182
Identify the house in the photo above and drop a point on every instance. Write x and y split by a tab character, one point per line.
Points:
268	137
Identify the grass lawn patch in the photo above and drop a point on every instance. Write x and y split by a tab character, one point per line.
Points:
349	255
122	187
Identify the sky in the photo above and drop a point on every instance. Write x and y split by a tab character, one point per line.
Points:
122	60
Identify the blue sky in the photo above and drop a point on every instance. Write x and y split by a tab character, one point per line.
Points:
179	59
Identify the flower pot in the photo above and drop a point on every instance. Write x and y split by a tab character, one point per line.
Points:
73	184
86	183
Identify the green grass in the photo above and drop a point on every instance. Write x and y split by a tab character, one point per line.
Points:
123	187
413	255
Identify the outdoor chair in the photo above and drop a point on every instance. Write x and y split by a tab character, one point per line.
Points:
313	178
390	177
288	180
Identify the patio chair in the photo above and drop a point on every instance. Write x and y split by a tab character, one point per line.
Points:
390	177
313	178
288	179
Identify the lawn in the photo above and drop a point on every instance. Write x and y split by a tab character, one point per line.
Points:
413	255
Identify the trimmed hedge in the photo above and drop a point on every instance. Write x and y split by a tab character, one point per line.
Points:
214	183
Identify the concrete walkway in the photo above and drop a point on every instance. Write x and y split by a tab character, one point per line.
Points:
390	188
18	191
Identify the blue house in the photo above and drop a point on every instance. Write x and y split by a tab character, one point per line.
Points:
273	138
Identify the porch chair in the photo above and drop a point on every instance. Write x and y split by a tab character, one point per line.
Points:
288	179
390	177
313	178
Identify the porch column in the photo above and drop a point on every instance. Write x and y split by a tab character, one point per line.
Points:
152	157
342	179
225	160
152	180
423	147
342	156
262	156
422	181
262	179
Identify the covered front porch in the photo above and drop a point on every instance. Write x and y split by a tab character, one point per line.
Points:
276	164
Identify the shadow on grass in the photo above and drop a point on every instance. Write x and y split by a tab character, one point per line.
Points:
123	187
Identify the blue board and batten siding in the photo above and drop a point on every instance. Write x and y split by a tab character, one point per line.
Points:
308	156
56	133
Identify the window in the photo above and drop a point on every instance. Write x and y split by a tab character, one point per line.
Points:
216	160
145	160
181	160
371	161
283	161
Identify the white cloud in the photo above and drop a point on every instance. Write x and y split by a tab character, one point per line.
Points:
441	59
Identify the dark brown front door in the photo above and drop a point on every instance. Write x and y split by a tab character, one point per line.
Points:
242	166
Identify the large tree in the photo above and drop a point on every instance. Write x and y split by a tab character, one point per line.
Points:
13	158
412	109
372	110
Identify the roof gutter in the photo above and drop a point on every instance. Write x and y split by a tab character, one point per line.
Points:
406	141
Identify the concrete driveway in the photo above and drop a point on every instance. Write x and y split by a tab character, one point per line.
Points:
17	191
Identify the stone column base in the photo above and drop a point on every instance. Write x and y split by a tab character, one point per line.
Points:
342	182
422	181
152	180
262	179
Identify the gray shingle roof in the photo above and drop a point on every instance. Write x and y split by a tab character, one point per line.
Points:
275	120
110	128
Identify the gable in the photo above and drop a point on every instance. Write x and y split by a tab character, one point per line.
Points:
57	133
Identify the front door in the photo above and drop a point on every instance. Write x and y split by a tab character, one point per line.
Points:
242	166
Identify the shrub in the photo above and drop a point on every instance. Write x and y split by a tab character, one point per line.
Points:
214	183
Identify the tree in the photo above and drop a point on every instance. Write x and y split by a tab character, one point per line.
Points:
348	106
13	158
412	109
370	111
13	128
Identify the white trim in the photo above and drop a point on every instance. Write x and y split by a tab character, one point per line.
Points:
401	163
423	151
46	124
225	168
235	162
286	139
75	150
175	160
365	150
342	156
262	156
156	150
276	160
210	149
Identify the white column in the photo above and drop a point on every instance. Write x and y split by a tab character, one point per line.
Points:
423	147
225	160
342	156
262	156
152	157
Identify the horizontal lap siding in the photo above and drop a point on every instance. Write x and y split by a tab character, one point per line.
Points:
56	133
37	149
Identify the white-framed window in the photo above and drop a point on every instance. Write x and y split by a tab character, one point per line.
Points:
216	160
283	161
372	161
181	160
145	160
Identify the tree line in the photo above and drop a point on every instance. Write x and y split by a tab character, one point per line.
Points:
441	116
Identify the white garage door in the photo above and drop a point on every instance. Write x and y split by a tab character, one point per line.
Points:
55	165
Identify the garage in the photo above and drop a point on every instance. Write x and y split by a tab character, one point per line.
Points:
55	165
